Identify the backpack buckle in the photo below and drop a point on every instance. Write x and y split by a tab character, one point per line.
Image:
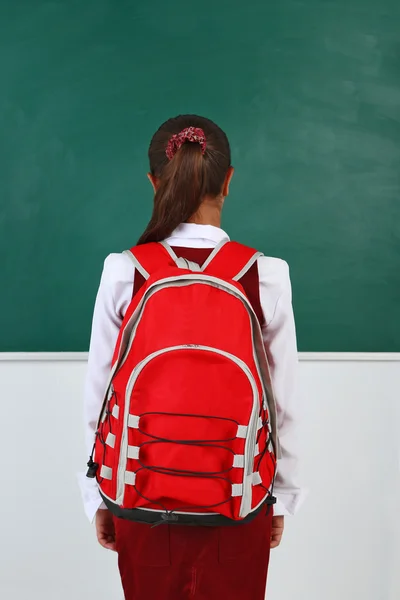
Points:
166	518
270	500
92	470
169	517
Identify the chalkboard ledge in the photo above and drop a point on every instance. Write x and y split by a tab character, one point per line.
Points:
303	356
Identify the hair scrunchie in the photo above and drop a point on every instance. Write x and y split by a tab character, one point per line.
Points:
190	134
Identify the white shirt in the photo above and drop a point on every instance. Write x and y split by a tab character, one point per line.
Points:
113	299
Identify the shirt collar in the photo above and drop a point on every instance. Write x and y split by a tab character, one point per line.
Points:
191	231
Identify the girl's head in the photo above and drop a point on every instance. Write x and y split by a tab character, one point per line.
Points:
190	162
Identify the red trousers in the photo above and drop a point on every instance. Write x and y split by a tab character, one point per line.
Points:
174	562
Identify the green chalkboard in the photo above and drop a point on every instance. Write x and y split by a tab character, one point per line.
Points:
309	94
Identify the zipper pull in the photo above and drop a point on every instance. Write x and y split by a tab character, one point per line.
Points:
110	393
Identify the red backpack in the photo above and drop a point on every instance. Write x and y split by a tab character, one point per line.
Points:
187	431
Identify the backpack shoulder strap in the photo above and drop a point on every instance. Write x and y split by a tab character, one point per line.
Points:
230	260
149	258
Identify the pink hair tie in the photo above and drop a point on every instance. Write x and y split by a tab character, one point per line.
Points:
190	134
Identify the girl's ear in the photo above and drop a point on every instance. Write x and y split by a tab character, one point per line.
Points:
228	177
153	180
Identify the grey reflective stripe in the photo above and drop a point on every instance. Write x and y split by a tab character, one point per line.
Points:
256	450
213	254
247	266
170	252
130	477
106	472
257	478
115	411
245	507
133	421
110	441
137	264
237	489
242	431
133	452
238	461
183	263
260	424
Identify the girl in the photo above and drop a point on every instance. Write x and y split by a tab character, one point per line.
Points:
190	171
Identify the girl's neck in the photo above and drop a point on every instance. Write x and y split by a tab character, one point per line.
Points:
209	213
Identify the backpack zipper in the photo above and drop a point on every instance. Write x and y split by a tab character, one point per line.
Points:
250	445
107	397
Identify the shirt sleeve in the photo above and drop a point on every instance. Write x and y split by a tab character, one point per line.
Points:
279	334
113	298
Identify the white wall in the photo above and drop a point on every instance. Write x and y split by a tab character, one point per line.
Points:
345	542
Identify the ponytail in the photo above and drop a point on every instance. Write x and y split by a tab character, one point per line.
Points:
179	194
186	172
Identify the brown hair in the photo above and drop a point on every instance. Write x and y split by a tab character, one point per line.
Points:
188	177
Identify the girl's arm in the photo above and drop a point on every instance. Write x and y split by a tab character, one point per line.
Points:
279	335
113	298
